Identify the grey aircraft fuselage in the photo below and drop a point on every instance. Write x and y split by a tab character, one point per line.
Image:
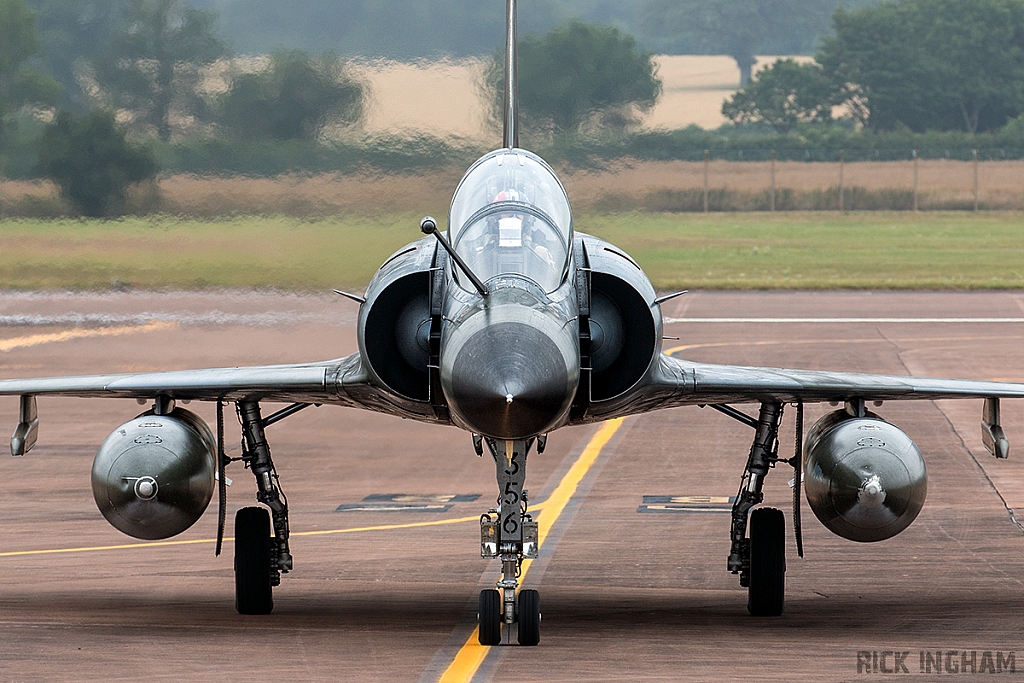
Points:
508	364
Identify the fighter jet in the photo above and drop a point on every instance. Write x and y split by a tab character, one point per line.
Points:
509	325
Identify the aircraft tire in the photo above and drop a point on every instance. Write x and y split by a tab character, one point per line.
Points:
490	617
253	591
767	592
529	617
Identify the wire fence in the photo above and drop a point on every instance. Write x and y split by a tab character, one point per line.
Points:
687	180
837	180
810	154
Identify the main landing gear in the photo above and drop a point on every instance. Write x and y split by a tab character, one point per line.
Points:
509	533
760	559
260	559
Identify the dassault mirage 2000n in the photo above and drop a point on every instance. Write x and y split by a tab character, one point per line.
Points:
510	327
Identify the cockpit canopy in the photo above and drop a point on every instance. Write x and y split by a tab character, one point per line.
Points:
510	214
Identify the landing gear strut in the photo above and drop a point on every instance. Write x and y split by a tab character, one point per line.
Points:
259	559
509	533
760	560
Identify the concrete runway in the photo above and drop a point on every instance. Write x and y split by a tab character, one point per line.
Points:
391	596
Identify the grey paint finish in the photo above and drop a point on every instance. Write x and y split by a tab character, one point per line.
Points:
670	382
153	477
865	479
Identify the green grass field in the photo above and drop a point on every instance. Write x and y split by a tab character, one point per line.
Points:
695	251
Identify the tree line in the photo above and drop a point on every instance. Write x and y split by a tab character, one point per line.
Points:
917	65
114	74
144	65
146	83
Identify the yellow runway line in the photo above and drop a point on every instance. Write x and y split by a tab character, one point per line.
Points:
319	532
160	544
97	548
81	333
467	661
469	658
388	527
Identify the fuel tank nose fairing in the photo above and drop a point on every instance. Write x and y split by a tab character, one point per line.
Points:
510	366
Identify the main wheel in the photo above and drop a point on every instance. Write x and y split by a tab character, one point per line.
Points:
253	592
490	617
529	617
767	592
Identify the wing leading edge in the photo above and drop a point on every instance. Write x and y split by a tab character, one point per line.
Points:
342	382
673	382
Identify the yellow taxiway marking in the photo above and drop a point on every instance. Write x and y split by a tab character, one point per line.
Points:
80	333
125	546
469	658
196	541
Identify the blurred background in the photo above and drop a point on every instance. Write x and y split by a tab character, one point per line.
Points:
180	118
207	109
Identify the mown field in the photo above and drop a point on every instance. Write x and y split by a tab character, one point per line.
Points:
804	250
694	88
650	186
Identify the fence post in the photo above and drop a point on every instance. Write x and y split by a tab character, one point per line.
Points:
842	164
915	181
975	180
706	155
771	203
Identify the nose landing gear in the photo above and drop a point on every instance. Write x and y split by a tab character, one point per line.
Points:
508	533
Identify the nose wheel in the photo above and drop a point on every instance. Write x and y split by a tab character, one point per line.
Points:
508	533
529	617
490	617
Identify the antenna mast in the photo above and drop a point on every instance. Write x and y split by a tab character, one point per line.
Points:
511	77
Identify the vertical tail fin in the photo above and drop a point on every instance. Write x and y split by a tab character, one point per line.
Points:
511	77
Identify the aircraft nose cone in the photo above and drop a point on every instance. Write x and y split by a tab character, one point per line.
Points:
509	381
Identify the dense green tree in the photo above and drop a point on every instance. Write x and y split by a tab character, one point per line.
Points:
577	72
92	162
151	65
292	99
783	95
931	64
738	28
19	83
72	34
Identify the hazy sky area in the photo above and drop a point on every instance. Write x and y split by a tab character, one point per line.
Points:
410	29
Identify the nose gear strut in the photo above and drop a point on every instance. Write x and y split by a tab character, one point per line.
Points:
508	533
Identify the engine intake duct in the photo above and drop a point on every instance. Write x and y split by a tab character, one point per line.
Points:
623	334
865	479
396	330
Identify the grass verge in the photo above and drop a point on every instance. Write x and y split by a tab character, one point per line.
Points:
797	250
822	250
